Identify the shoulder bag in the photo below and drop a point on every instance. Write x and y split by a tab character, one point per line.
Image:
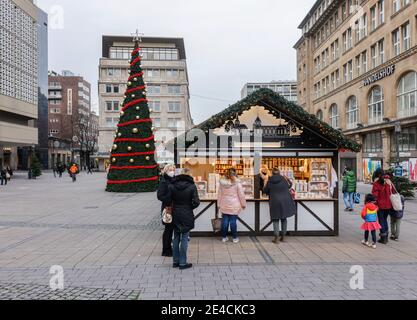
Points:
167	215
395	198
217	223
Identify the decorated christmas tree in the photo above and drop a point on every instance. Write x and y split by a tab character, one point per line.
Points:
36	166
133	167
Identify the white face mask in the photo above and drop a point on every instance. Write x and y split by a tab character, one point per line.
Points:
171	174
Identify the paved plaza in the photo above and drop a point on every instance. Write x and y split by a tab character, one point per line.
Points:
109	246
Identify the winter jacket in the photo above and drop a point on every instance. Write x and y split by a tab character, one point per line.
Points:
370	212
349	182
382	193
184	197
163	193
281	204
231	197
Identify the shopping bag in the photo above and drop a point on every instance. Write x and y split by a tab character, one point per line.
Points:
217	223
357	198
396	200
167	215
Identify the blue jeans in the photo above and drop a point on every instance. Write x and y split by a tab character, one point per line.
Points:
232	221
383	221
348	198
180	247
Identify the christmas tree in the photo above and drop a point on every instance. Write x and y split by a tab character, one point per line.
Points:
35	166
133	167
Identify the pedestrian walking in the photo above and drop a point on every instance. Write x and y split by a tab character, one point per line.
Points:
9	173
382	190
89	171
3	177
395	220
73	170
371	224
61	169
55	170
282	206
163	194
230	201
349	189
184	199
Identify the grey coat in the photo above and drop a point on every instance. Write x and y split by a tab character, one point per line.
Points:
281	204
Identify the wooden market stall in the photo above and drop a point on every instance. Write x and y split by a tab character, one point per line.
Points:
265	130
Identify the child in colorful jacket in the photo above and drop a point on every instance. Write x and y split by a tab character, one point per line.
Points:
371	224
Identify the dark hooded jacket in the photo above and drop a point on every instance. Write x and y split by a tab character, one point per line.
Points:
282	206
164	191
184	197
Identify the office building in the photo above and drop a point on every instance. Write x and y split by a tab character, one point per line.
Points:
165	72
357	71
287	89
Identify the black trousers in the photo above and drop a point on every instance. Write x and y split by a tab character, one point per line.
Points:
167	239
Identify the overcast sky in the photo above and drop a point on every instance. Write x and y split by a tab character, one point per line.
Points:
228	42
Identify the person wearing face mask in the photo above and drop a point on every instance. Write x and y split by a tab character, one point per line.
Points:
168	175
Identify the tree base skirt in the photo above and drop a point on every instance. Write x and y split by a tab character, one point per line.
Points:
133	188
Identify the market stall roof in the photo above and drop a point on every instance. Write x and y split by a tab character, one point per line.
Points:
276	103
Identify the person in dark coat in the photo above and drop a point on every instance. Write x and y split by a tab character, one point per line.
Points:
163	195
3	177
184	199
281	204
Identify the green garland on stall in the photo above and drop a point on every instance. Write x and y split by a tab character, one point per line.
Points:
278	104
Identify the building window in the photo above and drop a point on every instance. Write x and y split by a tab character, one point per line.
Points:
114	72
154	89
174	106
155	106
174	90
112	106
173	123
319	115
406	36
172	73
407	95
108	88
381	11
153	73
376	105
374	19
69	101
334	116
364	56
347	39
406	140
396	6
160	54
396	42
156	122
378	53
373	142
352	113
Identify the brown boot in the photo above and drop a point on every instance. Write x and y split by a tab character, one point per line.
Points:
276	240
282	239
